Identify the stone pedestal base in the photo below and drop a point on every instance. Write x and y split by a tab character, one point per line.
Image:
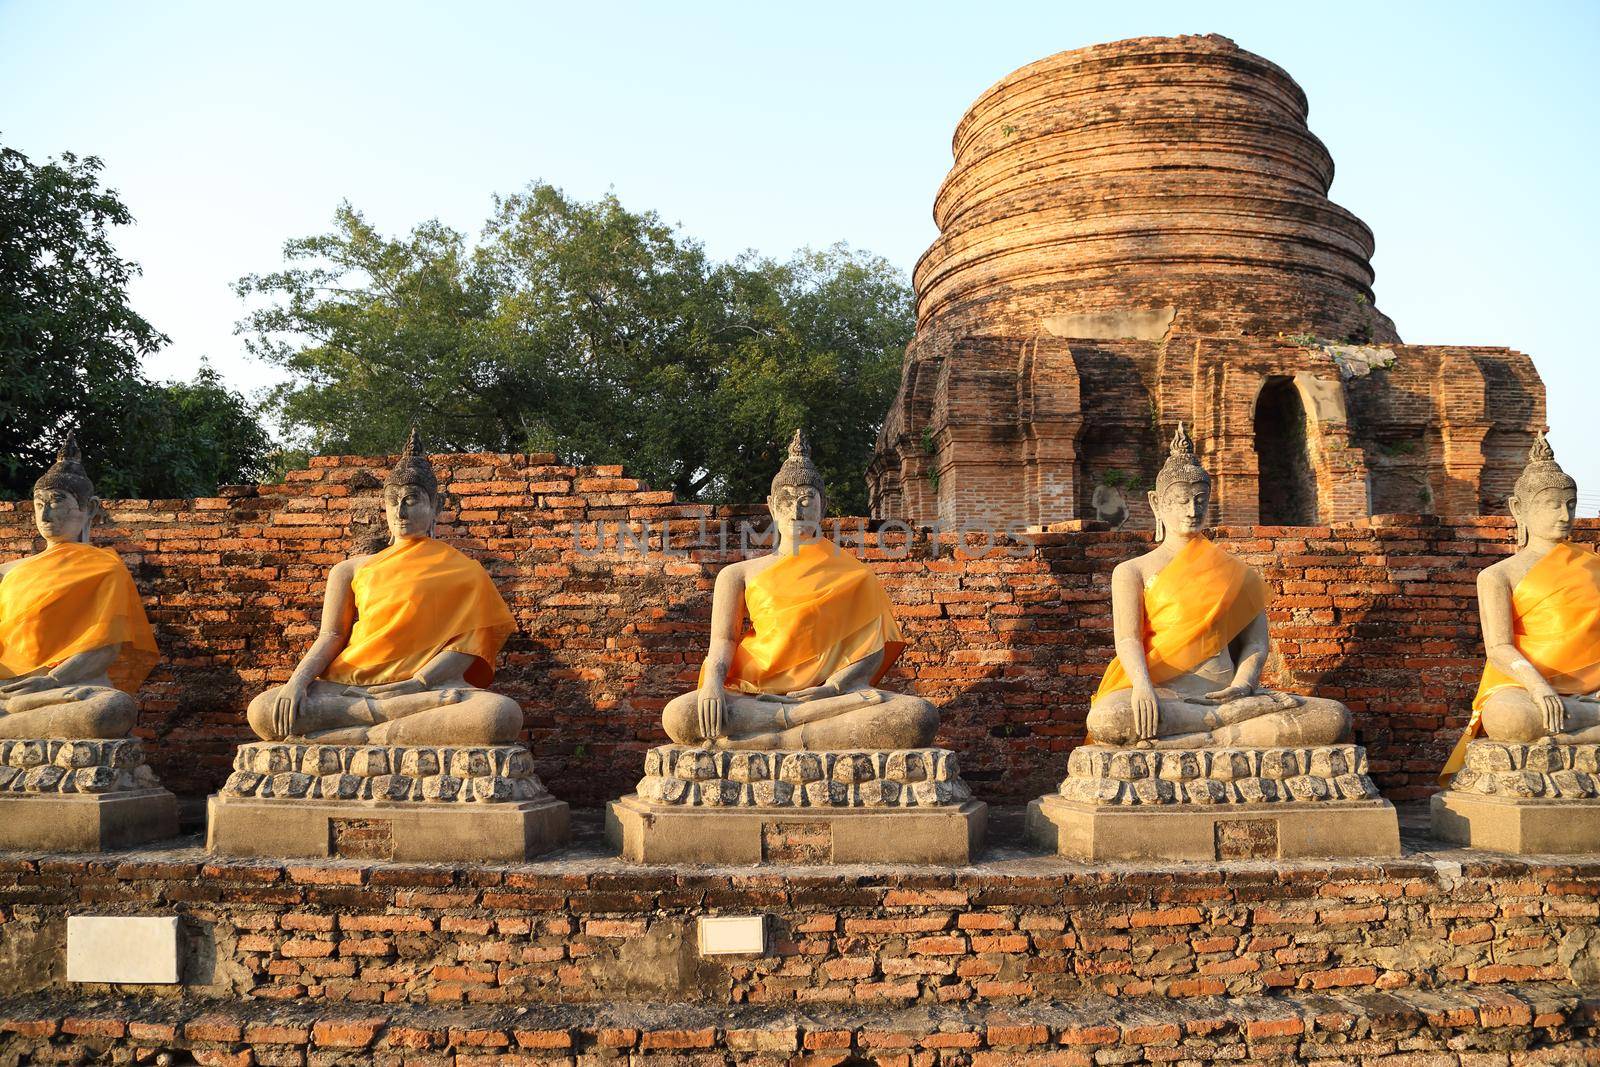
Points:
1506	824
81	796
1215	804
698	805
377	830
1206	833
656	833
1541	798
87	822
416	803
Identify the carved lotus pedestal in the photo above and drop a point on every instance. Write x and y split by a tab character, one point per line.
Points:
697	805
1215	804
81	796
1542	798
411	803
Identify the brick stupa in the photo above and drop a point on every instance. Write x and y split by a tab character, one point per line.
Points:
1139	233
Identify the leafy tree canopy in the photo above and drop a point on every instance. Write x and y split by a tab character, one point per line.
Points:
70	351
598	333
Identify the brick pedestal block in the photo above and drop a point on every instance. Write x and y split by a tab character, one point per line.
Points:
1506	824
1215	804
87	822
855	806
361	829
657	833
423	803
1541	798
1196	832
81	795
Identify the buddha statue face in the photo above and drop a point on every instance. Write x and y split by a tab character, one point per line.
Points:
1180	506
1548	516
796	505
409	510
59	515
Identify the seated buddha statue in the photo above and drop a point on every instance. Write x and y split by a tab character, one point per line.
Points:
823	634
408	640
1540	613
1190	625
74	642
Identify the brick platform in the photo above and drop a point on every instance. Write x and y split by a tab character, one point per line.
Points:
1452	953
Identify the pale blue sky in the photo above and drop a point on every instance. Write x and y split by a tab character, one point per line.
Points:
1464	134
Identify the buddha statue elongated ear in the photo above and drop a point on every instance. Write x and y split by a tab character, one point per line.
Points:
1542	472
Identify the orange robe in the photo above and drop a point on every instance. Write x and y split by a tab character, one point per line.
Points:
68	599
813	613
416	599
1197	604
1555	624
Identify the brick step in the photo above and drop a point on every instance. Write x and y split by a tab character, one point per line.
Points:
1513	1024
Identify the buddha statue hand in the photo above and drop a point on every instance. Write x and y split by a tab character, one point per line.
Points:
1146	709
1235	691
1549	702
33	683
712	710
391	689
286	707
800	696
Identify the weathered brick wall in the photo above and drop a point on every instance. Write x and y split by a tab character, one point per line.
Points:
1011	933
1380	614
1500	1029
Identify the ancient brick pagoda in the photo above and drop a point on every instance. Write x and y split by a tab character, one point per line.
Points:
1139	233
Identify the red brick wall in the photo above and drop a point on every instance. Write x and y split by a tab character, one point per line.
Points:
1380	614
581	930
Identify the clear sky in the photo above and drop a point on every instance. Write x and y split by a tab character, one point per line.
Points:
1464	134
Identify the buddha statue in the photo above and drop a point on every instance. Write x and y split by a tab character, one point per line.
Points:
408	640
74	642
1190	625
824	635
1540	613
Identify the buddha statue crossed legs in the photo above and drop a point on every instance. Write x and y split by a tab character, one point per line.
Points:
824	635
1190	625
408	640
74	642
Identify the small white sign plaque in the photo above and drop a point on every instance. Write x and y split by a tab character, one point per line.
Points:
119	948
733	935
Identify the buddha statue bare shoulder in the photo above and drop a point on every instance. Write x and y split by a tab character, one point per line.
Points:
75	644
407	643
824	636
1191	631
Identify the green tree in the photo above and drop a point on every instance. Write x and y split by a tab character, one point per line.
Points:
71	346
588	330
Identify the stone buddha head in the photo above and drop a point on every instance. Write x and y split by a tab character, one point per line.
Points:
1183	490
64	504
797	497
1545	498
411	493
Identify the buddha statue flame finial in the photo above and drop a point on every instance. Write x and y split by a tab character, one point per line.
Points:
1181	465
67	472
413	467
1542	471
797	468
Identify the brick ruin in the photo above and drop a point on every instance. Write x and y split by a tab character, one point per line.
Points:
1139	233
1008	637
